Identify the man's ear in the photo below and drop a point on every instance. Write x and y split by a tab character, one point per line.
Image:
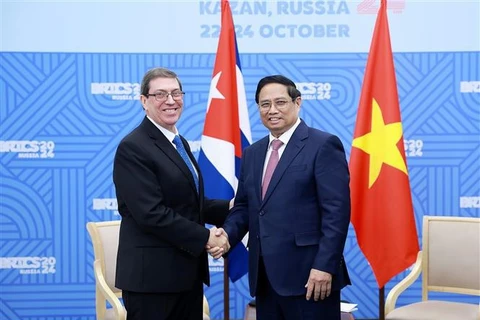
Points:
143	101
298	101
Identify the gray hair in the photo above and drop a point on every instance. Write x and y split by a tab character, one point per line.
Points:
157	73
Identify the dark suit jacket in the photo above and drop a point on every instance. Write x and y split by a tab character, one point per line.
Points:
303	221
162	233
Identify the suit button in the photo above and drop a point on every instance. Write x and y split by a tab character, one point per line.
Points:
261	213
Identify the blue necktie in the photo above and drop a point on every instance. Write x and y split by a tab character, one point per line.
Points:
183	153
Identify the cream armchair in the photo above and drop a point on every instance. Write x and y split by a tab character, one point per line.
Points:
105	245
206	309
449	262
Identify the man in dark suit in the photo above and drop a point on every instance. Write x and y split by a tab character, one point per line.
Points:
294	199
162	259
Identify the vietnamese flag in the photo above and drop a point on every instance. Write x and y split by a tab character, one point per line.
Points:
382	210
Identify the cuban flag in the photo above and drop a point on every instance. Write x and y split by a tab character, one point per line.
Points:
227	130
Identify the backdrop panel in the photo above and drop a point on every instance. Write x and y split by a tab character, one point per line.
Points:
63	115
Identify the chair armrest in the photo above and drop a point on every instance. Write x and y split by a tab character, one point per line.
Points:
107	292
206	307
403	285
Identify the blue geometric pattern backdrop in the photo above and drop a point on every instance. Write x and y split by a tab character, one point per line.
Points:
62	115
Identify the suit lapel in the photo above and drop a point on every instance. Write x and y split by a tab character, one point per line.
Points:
166	147
258	161
293	148
195	164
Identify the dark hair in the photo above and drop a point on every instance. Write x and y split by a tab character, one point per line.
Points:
292	90
157	73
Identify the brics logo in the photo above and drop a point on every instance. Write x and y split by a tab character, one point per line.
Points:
215	265
470	202
106	204
413	148
314	90
29	265
117	90
27	149
470	86
372	6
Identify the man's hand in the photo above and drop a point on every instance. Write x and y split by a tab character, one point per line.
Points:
221	232
217	244
319	283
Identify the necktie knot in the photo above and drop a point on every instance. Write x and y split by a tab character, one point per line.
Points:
177	142
276	144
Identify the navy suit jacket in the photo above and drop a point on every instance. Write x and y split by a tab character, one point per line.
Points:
302	222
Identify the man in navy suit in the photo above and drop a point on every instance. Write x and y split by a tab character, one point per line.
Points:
293	198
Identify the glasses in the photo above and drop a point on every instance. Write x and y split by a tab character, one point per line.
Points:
163	95
279	104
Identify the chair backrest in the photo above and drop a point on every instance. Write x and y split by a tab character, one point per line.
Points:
451	255
105	245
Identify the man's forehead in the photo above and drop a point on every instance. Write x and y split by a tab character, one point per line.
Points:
164	83
273	95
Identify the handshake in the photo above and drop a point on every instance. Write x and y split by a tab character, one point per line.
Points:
217	244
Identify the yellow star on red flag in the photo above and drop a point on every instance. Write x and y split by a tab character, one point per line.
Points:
381	144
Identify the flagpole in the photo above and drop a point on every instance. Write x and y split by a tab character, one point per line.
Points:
381	303
381	291
226	290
